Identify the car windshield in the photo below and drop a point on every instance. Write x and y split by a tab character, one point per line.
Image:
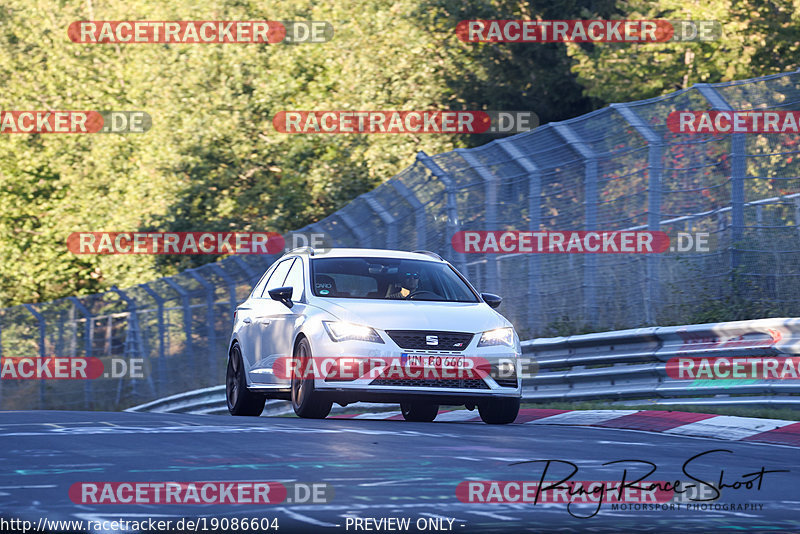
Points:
388	279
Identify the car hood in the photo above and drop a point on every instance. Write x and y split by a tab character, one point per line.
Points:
415	315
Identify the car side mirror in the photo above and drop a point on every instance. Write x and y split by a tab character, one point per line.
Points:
283	295
491	299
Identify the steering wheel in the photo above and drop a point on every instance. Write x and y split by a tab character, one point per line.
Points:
418	292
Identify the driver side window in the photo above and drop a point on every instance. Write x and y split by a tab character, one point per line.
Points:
295	280
278	276
259	289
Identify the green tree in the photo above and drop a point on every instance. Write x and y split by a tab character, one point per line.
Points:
758	38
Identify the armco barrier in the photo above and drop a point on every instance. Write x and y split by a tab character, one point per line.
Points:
624	365
211	401
206	401
631	364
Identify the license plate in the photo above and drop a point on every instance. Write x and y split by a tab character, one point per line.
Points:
435	361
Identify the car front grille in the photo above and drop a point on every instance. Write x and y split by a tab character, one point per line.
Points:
419	339
469	383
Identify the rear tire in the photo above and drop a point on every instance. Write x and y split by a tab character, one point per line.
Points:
241	401
500	411
305	401
419	412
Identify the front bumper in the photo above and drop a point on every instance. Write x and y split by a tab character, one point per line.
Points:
444	391
391	395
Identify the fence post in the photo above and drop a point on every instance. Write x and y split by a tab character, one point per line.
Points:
252	276
451	206
313	228
212	331
492	275
59	344
797	213
162	364
534	223
759	219
187	319
655	167
231	287
419	212
356	230
88	334
388	221
42	349
132	334
738	171
590	218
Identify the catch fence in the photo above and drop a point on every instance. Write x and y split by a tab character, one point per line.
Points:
618	168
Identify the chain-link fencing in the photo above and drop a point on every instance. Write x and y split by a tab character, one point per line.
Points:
619	168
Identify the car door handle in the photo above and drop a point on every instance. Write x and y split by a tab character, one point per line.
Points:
246	320
263	320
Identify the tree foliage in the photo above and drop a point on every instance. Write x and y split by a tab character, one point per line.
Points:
759	37
212	160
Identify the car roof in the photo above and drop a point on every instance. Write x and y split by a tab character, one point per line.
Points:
367	253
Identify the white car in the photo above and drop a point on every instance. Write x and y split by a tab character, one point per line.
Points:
370	325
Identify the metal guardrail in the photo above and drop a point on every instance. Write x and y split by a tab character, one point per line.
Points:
623	366
627	365
211	401
205	401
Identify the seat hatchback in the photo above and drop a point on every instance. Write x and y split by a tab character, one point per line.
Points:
369	325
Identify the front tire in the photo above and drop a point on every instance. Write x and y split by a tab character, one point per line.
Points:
500	411
305	401
419	412
241	401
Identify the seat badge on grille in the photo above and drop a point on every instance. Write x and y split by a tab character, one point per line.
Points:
431	340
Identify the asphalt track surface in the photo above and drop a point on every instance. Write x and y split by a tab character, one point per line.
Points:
379	469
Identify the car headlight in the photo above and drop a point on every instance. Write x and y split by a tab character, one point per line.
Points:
340	331
498	336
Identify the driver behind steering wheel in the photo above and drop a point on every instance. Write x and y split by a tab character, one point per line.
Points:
406	284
